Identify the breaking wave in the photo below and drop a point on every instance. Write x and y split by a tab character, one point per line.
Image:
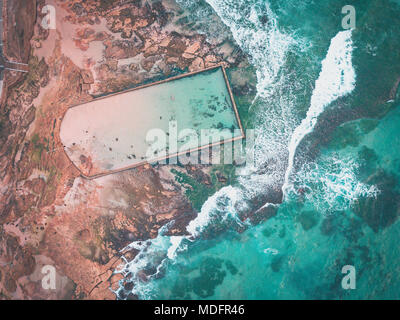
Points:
278	133
147	265
265	44
154	255
331	185
255	29
266	47
337	78
220	207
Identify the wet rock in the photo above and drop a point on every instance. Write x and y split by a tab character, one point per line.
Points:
64	217
210	61
264	19
308	219
134	67
9	284
78	9
383	210
193	48
176	47
221	178
28	117
122	49
148	63
87	76
263	214
277	262
161	13
128	20
197	64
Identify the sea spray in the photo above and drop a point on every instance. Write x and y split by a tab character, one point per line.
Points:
265	44
175	245
331	184
151	257
220	207
331	178
154	255
266	47
337	79
256	31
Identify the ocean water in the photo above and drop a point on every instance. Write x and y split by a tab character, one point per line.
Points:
326	116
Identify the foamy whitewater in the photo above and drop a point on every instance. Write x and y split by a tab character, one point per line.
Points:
265	44
267	48
277	138
156	253
331	184
221	206
337	78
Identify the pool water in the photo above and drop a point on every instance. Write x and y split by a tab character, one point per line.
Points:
130	128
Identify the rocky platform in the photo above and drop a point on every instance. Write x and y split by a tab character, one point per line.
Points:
49	215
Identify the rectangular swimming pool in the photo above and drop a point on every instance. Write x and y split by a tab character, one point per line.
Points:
137	126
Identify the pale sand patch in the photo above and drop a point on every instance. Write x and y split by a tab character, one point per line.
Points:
66	32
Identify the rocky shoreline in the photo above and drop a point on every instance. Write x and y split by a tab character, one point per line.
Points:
48	213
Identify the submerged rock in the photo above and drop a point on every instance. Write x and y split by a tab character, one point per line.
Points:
383	210
308	219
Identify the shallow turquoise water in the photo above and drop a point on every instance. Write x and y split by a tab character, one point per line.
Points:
299	253
342	200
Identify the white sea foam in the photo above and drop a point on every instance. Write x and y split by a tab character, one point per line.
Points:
265	44
337	78
332	184
267	47
153	253
271	251
175	244
219	207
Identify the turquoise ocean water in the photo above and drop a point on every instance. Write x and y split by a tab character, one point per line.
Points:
327	117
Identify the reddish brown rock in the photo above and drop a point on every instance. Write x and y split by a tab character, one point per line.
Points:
48	213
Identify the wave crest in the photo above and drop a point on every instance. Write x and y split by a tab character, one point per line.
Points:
337	78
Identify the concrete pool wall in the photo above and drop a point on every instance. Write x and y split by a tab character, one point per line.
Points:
109	134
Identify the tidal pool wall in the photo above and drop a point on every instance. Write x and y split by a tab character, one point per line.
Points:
112	133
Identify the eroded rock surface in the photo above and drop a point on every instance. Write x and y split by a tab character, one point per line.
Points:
49	215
